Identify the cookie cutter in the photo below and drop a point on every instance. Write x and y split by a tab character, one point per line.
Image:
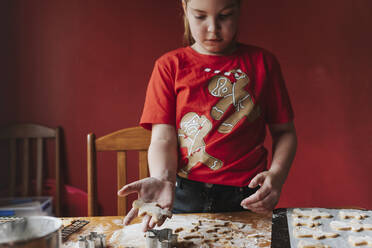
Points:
12	226
92	240
163	238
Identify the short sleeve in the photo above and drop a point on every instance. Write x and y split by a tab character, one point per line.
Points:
278	105
160	101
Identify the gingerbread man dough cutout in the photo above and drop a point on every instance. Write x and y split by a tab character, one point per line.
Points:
151	208
309	244
350	226
350	215
306	222
312	214
193	129
300	232
232	94
360	240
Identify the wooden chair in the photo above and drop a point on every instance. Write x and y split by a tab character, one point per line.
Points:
27	133
135	138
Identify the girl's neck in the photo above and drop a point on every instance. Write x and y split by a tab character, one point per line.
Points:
228	51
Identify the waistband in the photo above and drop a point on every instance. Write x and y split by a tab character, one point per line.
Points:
180	181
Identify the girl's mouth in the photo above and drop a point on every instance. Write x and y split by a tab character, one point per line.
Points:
213	40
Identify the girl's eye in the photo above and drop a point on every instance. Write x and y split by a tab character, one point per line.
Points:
224	16
200	17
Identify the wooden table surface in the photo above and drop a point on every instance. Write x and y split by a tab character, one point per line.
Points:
108	225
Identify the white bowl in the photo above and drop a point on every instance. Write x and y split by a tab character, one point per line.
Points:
35	231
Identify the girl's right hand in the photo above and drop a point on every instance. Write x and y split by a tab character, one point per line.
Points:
149	189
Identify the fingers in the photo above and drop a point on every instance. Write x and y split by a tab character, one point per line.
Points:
130	216
265	205
152	223
145	223
265	198
130	188
259	195
257	180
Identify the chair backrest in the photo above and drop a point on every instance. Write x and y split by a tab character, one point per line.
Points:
27	133
128	139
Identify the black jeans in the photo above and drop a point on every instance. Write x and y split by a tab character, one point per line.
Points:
196	197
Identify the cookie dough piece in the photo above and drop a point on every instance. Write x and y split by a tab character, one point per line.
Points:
308	244
308	223
352	215
188	237
151	208
360	240
223	231
238	225
212	230
222	224
346	226
367	227
300	232
194	229
312	214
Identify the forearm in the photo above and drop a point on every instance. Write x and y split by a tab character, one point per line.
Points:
163	157
271	182
284	150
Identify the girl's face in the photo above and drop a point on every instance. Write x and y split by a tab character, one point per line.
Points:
213	25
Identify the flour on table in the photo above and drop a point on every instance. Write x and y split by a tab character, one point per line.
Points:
98	229
118	222
70	244
196	232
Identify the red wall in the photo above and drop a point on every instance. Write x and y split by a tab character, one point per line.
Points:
84	65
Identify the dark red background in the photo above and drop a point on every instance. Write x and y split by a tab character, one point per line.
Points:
84	65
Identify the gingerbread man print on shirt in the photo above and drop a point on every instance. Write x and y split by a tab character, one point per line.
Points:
193	129
232	94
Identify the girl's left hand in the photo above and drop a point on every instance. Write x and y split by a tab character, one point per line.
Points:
267	196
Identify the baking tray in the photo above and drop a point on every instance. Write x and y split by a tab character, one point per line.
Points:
279	229
280	235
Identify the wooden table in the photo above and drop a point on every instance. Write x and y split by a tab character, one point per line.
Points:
109	225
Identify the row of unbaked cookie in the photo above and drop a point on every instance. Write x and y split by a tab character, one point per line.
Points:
310	218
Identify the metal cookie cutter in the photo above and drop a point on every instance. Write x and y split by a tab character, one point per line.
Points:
14	226
93	240
163	238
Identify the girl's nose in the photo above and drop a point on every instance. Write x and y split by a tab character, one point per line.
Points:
213	25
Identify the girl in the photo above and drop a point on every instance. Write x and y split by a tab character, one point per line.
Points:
208	104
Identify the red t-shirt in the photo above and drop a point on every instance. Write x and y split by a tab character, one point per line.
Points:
219	106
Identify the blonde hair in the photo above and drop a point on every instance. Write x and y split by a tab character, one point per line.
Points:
188	40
